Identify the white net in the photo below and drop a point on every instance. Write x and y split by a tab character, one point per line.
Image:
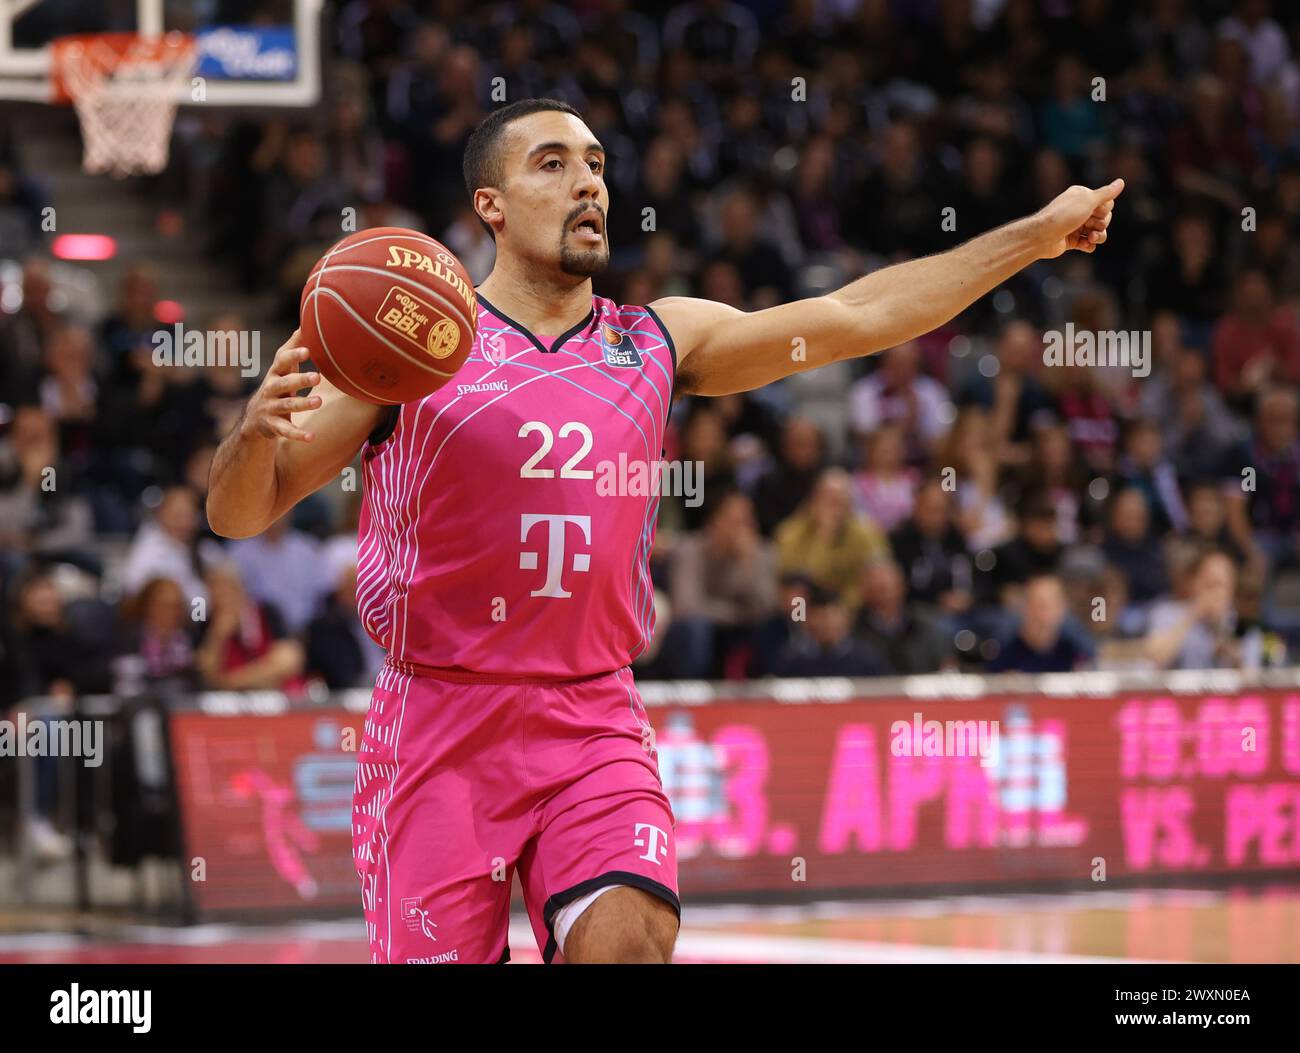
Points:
126	102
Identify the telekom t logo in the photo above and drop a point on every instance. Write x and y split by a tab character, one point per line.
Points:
554	551
655	842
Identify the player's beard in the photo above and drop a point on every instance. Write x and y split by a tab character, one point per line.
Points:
583	263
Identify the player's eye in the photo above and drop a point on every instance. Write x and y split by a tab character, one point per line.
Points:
596	164
553	161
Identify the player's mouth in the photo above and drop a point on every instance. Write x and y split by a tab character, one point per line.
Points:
589	227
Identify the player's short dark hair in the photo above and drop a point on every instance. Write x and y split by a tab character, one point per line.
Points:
482	164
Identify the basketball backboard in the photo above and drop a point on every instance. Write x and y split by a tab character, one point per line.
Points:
250	54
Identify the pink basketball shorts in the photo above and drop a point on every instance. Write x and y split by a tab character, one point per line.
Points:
460	782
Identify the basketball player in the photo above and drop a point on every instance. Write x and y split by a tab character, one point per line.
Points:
510	590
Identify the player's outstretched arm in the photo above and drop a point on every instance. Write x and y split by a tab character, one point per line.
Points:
721	350
285	445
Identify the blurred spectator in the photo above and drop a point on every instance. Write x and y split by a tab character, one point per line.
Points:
52	657
49	659
338	647
1144	468
1191	284
1040	645
970	454
1257	343
354	147
69	391
1072	122
1117	628
786	485
1201	632
245	646
894	209
824	646
933	554
1133	546
1089	416
37	515
1207	520
20	212
302	200
774	632
885	488
723	583
1196	425
703	441
166	546
282	569
1262	484
1035	551
904	641
764	275
814	198
25	332
827	541
473	245
158	642
715	32
898	393
1016	399
132	324
1053	476
1262	38
1209	152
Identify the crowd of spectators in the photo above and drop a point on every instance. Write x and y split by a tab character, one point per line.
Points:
951	503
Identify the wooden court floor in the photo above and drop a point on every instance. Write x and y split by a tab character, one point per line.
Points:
1254	925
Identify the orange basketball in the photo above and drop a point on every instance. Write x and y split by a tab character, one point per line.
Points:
389	315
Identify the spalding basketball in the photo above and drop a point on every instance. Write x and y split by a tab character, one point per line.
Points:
389	315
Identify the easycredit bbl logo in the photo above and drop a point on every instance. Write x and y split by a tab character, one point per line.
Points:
410	317
617	348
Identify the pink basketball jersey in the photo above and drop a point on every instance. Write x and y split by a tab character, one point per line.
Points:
506	528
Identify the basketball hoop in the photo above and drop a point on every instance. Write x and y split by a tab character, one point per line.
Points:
124	87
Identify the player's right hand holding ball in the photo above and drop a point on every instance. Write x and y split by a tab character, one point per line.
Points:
267	414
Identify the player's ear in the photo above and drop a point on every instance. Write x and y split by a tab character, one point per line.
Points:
488	206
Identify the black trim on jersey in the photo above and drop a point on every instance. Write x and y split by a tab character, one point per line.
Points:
610	877
386	426
505	956
668	339
560	340
672	349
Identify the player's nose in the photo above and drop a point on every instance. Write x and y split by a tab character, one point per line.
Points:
585	184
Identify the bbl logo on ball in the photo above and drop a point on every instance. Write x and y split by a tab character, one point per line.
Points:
411	318
444	336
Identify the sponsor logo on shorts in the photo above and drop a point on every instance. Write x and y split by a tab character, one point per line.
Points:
654	841
417	918
411	318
